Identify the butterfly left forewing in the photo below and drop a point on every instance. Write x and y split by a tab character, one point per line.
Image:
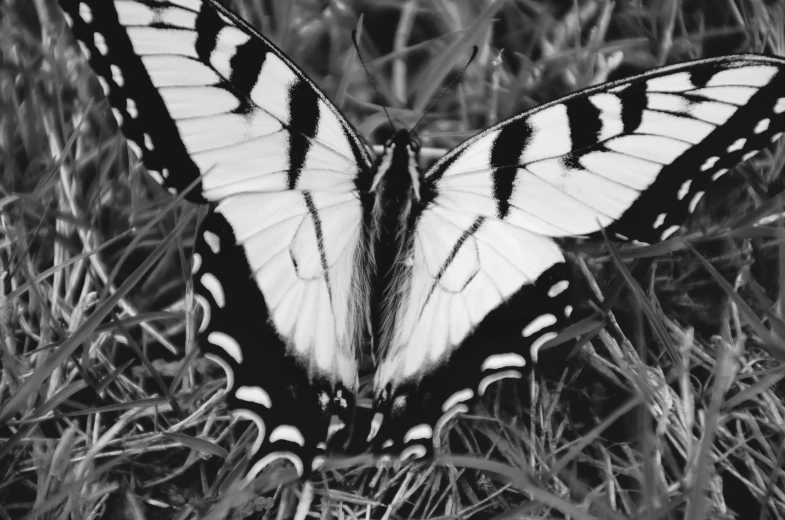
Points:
486	285
210	105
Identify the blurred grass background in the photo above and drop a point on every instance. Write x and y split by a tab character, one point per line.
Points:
668	406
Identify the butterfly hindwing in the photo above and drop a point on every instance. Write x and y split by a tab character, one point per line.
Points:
633	156
210	105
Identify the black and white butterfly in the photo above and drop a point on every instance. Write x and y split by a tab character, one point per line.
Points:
314	248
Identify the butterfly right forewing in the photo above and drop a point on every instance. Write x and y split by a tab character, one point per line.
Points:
484	284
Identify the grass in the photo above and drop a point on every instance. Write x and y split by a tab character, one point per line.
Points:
669	407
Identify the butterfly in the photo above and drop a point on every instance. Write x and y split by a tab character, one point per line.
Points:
313	246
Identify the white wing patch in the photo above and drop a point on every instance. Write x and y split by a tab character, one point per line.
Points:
303	260
492	264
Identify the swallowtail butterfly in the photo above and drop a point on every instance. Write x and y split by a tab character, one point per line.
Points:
313	247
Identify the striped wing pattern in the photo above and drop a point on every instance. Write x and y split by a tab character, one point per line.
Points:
633	156
283	262
210	105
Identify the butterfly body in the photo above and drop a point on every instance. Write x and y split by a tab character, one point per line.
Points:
313	249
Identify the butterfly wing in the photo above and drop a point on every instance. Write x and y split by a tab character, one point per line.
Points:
209	104
484	285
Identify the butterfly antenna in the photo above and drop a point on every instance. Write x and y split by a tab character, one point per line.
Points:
453	82
370	77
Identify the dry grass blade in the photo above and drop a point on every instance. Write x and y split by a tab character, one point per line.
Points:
776	348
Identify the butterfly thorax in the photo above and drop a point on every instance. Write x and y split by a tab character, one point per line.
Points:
396	192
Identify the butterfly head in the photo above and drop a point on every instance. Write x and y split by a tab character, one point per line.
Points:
398	173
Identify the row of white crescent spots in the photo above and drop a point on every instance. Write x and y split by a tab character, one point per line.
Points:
762	126
117	76
454	404
251	394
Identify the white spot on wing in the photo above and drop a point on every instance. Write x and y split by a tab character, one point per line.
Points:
421	431
444	419
254	394
157	176
684	189
104	85
196	263
497	361
118	116
270	457
458	397
376	423
489	380
131	108
117	75
227	343
416	452
539	323
85	12
719	174
287	432
211	283
776	137
749	155
317	463
100	43
271	91
660	219
539	342
780	106
738	144
213	242
762	125
709	163
558	288
695	200
668	232
148	142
